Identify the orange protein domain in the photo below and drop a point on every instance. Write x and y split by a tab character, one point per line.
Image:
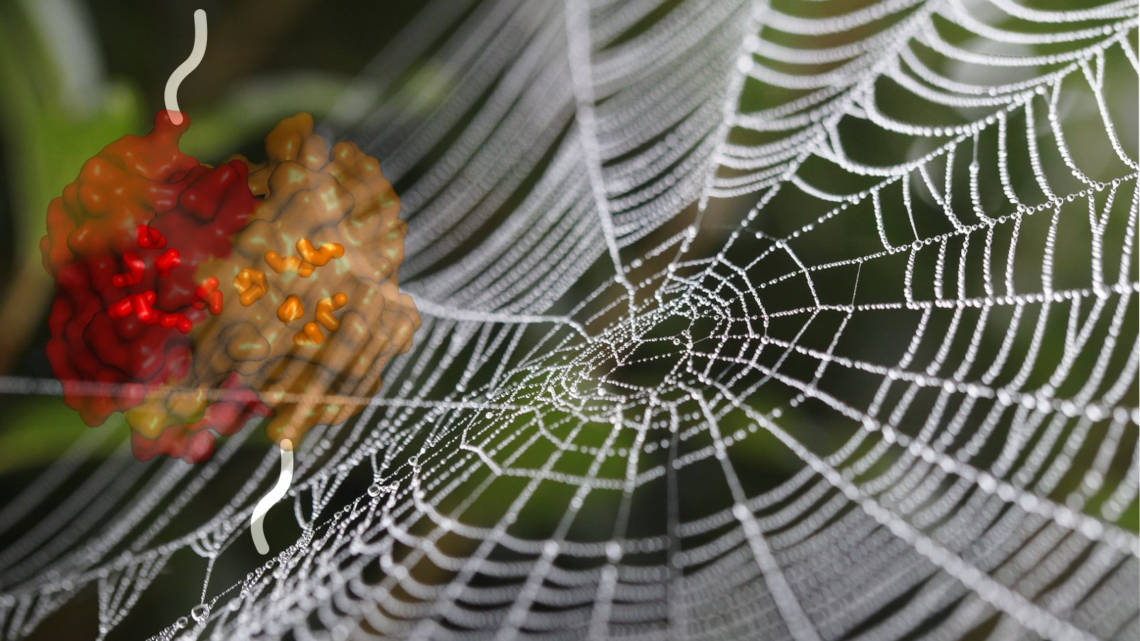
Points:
291	309
316	311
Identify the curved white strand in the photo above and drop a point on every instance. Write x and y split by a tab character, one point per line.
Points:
170	95
257	518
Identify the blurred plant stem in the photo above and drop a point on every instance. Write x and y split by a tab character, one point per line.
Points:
250	111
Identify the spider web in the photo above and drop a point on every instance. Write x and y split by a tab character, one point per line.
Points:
806	320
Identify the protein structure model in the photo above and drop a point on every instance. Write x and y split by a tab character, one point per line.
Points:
194	298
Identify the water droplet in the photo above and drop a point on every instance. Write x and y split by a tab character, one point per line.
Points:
200	612
182	622
374	490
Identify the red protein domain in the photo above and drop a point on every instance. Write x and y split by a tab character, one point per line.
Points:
123	243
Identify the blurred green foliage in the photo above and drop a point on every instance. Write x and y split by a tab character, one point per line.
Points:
48	134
